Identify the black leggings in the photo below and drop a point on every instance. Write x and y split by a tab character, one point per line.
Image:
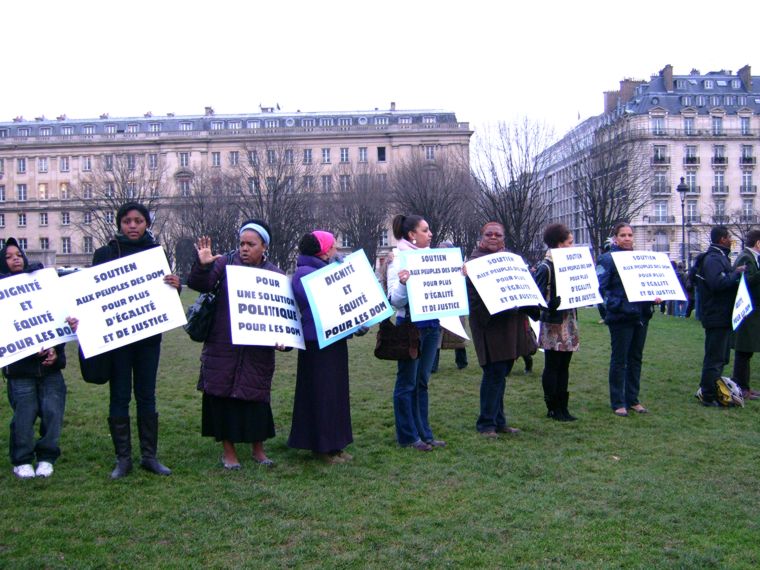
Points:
556	372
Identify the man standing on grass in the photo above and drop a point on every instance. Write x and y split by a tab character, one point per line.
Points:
747	339
717	284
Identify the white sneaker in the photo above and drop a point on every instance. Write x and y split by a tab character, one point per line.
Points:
25	471
44	469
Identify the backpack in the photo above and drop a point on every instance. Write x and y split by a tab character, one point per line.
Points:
727	392
695	273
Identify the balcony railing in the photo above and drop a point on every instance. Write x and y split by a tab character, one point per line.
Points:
720	219
660	219
660	160
751	189
660	189
661	247
693	219
691	160
719	160
694	190
720	189
748	219
744	160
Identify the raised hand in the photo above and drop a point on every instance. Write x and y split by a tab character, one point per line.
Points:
203	247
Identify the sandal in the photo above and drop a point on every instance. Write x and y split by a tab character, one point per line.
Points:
639	409
621	412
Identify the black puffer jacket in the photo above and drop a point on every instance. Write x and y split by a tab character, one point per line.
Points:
717	288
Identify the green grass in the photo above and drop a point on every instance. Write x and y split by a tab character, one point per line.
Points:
677	488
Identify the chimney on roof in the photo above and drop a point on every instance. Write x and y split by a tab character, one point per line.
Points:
148	115
628	89
694	71
104	116
61	117
667	77
18	119
209	111
393	105
611	99
745	74
170	114
40	118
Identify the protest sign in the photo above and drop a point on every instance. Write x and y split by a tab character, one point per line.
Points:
647	275
504	282
436	287
575	277
123	301
263	311
345	296
742	304
32	315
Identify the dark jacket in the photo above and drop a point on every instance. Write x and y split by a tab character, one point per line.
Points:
748	334
31	366
227	370
503	336
545	279
717	284
306	264
620	311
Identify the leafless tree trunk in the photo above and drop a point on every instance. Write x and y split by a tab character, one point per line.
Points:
509	167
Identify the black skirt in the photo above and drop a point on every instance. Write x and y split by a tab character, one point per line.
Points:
238	421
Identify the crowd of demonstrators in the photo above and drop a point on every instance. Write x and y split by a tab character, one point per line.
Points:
717	284
134	366
628	324
559	335
321	407
410	394
236	380
499	340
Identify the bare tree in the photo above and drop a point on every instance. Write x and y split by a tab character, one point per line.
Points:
116	179
465	230
279	189
509	168
432	189
739	223
611	176
361	208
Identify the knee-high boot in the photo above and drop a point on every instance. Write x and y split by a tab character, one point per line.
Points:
147	426
566	415
122	443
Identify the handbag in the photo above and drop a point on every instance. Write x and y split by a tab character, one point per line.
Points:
200	314
397	342
96	369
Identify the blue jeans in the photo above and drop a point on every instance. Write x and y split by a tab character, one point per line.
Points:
717	355
627	344
492	387
138	363
31	397
410	396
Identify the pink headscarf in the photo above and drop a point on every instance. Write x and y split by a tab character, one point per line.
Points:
325	239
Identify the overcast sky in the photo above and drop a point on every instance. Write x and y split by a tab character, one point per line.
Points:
485	60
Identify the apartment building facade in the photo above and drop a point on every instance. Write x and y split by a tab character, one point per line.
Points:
704	128
47	166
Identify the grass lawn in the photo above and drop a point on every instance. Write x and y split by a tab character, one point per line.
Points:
676	488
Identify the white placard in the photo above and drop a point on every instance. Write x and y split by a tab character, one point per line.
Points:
123	301
436	286
647	275
345	296
742	304
575	277
504	282
263	311
32	316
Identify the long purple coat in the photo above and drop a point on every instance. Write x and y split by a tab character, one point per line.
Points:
228	370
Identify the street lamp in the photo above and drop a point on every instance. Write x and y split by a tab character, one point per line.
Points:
682	189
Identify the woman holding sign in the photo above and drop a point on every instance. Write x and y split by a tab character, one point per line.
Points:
410	395
559	329
135	365
236	380
628	323
321	407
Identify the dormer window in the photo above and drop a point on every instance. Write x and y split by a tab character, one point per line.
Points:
736	84
404	120
708	84
217	125
681	84
45	131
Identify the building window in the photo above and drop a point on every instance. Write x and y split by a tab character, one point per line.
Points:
21	220
44	243
63	191
67	131
428	120
271	156
719	154
2	193
110	190
708	84
46	131
381	120
253	157
42	191
87	191
289	184
658	125
216	159
108	162
20	166
21	193
661	182
217	125
344	155
345	241
690	155
685	100
63	164
383	240
109	218
252	124
326	184
131	163
3	133
131	190
87	245
692	211
430	152
153	161
717	126
65	218
381	154
307	122
88	130
326	156
271	123
362	154
748	209
661	242
87	218
110	129
23	132
186	126
133	128
719	182
2	220
747	157
66	245
661	210
154	191
345	182
86	163
344	122
736	84
404	120
42	164
744	125
308	182
234	158
23	244
43	219
288	156
154	127
325	122
184	188
691	180
2	165
307	156
184	159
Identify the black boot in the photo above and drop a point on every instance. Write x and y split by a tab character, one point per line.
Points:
553	409
122	443
566	416
147	426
